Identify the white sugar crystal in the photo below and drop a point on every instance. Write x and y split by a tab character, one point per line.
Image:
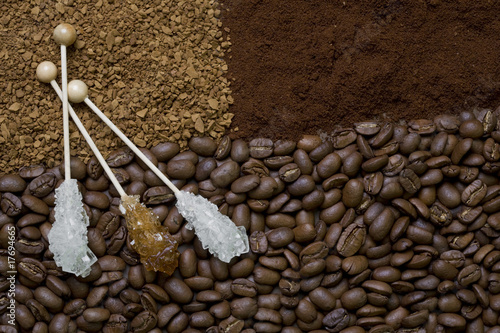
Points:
216	232
68	236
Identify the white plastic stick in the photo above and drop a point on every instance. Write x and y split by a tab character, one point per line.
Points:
91	143
65	35
131	145
65	103
64	75
78	92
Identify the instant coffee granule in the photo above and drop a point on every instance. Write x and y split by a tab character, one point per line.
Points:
156	68
383	227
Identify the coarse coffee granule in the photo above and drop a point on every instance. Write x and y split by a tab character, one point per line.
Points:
155	68
305	67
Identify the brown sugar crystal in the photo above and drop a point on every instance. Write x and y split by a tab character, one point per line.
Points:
152	241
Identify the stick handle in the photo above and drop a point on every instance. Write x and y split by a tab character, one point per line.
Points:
91	143
131	146
65	104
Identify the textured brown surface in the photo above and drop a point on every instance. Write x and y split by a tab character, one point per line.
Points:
154	67
306	66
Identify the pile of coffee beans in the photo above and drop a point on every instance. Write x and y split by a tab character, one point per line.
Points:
378	228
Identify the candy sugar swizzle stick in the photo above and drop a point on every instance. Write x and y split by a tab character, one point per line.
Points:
68	235
216	232
157	248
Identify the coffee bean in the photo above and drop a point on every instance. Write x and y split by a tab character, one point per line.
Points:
181	169
243	308
231	325
474	193
32	269
258	242
144	322
11	205
280	237
93	315
120	157
469	275
244	287
261	148
354	265
336	320
96	199
32	171
265	190
354	298
178	290
451	320
351	240
12	183
75	307
265	276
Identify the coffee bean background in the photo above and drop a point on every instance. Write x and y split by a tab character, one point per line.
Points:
380	228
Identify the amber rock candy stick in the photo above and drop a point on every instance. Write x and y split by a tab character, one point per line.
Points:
151	240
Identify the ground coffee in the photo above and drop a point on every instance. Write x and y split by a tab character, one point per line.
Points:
304	67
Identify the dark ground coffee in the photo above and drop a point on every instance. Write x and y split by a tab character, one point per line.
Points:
302	67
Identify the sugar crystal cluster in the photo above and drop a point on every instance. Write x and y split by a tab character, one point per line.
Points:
68	236
152	241
216	232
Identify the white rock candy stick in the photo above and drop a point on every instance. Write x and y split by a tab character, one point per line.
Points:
216	232
68	235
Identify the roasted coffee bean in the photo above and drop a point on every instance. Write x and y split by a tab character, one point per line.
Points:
11	205
309	142
469	275
144	322
75	307
280	237
305	311
30	172
120	157
382	225
354	265
181	169
158	195
244	308
244	287
343	137
336	320
178	290
351	239
93	315
12	183
261	148
245	183
203	146
165	151
32	269
42	185
373	183
265	276
474	193
258	242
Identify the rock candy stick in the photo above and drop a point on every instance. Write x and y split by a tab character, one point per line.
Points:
68	235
